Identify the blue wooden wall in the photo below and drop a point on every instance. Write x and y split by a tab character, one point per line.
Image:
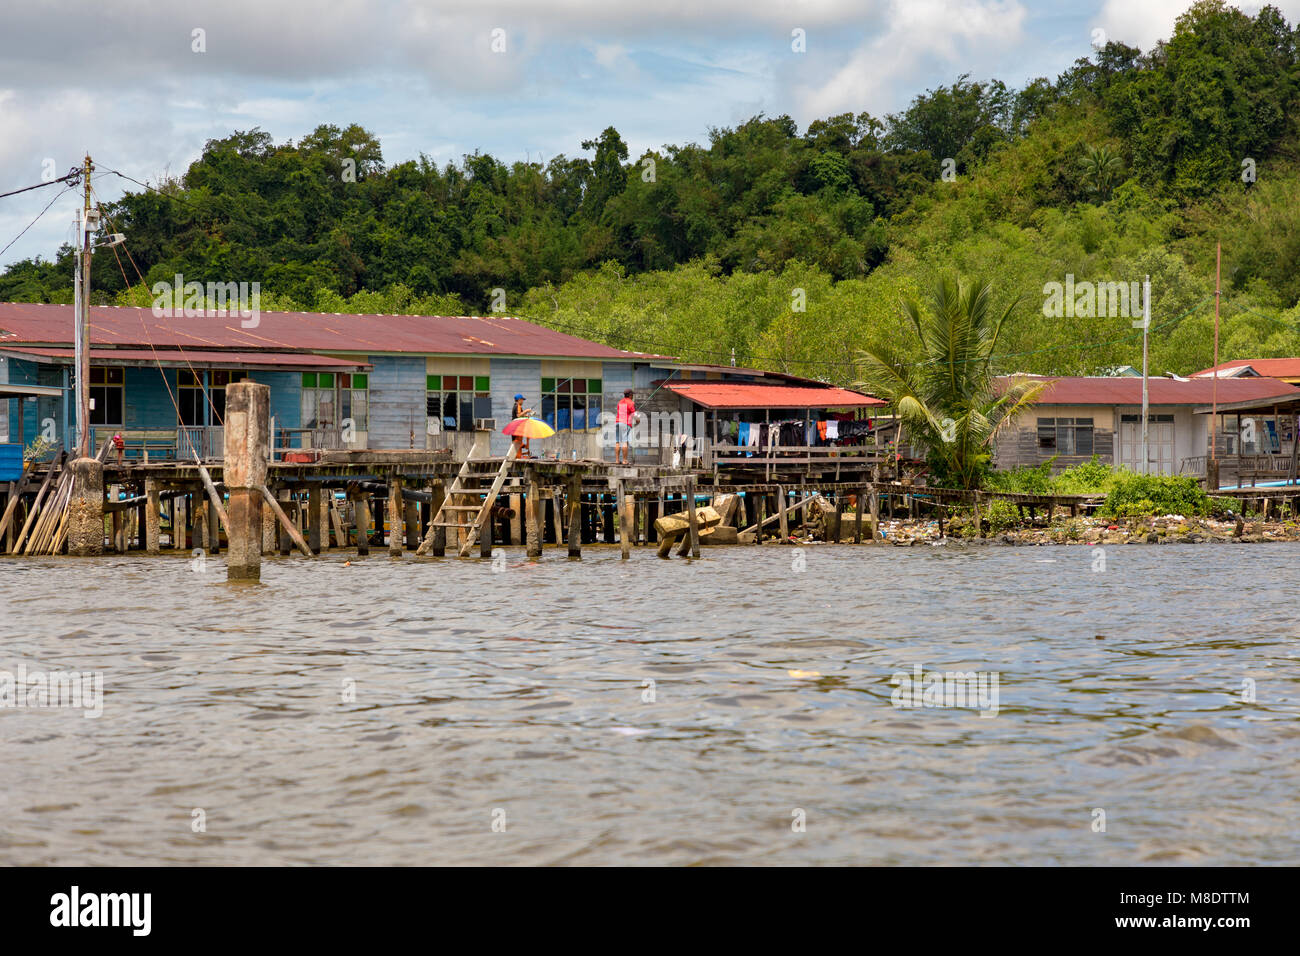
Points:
510	377
397	401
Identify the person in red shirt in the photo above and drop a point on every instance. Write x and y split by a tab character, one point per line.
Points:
623	418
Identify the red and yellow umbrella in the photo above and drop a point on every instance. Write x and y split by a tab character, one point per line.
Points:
528	428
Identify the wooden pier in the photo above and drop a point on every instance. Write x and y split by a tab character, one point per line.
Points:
427	504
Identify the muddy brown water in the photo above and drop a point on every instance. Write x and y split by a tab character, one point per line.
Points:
464	712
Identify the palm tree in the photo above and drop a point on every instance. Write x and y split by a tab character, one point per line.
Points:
950	403
1101	167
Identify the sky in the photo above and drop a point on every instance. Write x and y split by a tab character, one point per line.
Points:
154	80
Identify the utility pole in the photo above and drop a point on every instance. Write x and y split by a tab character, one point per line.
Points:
83	323
1214	385
1146	329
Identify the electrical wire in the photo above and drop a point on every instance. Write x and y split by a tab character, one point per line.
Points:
75	174
57	197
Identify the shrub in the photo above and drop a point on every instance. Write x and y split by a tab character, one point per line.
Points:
1137	495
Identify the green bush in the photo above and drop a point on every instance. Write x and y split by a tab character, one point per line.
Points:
1002	516
1139	495
1092	478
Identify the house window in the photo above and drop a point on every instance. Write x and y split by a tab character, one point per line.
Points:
107	395
452	402
571	403
354	399
191	398
331	398
1065	436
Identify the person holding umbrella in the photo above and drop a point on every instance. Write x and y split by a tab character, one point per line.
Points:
519	411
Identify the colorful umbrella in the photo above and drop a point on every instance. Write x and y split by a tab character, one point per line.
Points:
529	428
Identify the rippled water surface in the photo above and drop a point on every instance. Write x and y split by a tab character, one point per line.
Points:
516	696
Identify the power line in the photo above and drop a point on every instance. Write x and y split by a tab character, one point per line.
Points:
56	198
75	174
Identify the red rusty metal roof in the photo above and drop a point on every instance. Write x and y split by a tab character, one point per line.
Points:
1127	390
1268	368
42	324
207	358
756	395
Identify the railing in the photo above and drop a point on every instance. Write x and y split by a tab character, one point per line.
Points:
1238	470
206	441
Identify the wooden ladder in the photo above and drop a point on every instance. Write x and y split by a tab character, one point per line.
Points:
463	498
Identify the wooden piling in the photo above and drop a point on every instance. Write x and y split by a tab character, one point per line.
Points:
362	508
314	518
625	523
395	513
152	517
574	497
534	506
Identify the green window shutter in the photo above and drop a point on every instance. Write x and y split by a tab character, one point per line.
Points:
360	380
593	386
308	379
480	383
326	379
548	385
433	382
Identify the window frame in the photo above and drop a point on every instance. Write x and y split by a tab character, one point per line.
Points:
460	399
592	404
100	388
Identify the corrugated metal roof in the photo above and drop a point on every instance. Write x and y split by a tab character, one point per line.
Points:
753	395
1161	391
185	357
1268	368
43	324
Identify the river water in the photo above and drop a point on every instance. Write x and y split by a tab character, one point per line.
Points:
731	710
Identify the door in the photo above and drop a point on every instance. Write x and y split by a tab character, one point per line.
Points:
1160	443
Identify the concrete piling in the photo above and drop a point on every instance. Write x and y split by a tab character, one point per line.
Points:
247	434
86	508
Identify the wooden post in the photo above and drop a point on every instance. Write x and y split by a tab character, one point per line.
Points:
395	513
180	523
214	526
152	517
979	521
336	520
625	524
534	506
783	521
411	519
289	527
269	542
439	545
202	530
362	508
839	516
313	518
759	501
517	519
861	503
485	538
875	515
575	516
286	543
558	511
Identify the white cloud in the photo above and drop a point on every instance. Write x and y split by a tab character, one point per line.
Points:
918	36
1142	24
